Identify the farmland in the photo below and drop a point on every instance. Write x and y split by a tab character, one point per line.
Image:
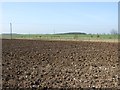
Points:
59	64
65	37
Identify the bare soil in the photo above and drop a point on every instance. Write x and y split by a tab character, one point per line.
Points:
59	64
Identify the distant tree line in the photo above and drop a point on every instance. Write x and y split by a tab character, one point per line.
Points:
73	33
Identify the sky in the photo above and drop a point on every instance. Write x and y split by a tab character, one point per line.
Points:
59	17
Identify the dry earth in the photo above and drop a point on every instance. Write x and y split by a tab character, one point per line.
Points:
59	64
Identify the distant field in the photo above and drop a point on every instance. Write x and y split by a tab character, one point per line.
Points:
79	37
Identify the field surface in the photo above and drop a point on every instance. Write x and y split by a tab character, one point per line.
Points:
59	64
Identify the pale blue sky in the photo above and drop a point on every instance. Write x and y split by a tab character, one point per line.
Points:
47	17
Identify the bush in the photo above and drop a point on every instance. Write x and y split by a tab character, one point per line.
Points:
98	36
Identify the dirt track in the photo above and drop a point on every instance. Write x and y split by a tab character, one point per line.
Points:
59	64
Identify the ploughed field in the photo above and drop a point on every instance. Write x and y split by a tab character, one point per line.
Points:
59	64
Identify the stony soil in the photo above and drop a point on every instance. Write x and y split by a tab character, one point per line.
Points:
59	64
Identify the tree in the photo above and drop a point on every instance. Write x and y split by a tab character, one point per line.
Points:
114	32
